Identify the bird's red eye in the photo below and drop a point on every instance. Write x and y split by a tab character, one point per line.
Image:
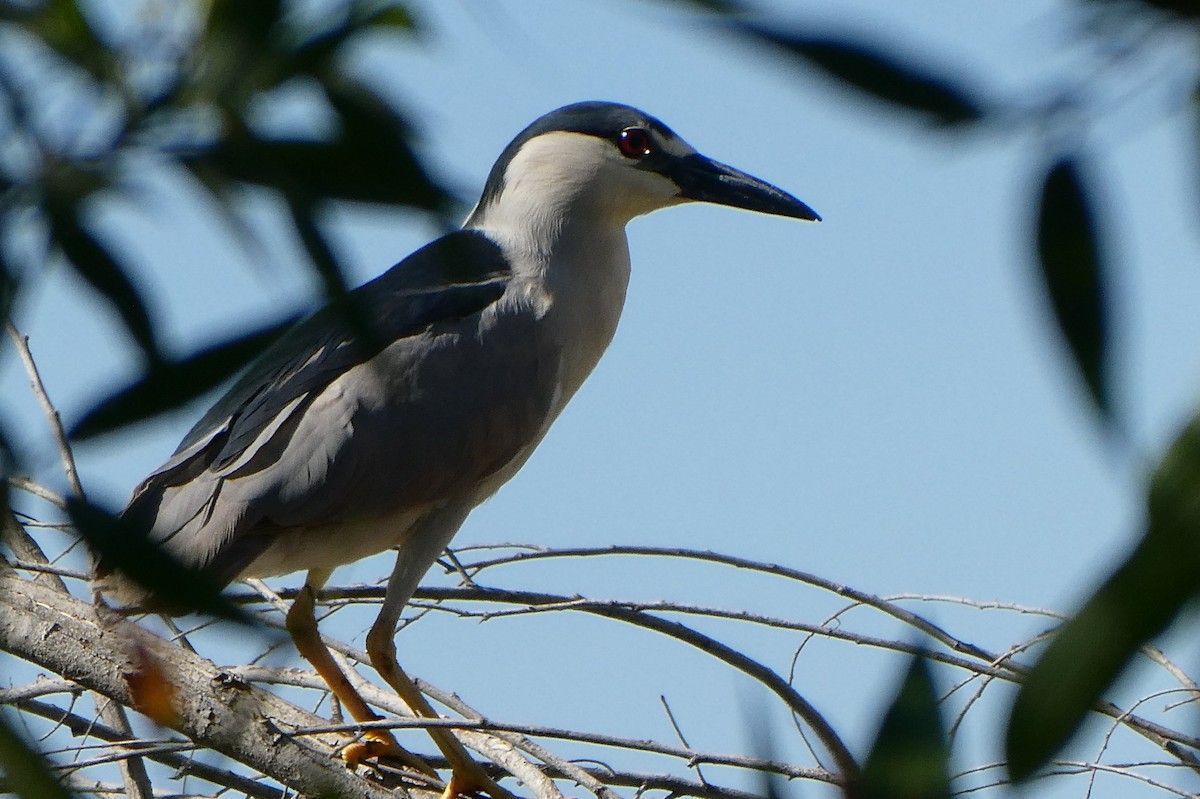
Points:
634	143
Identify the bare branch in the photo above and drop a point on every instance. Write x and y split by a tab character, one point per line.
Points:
21	342
1175	742
891	609
38	490
253	788
633	614
218	711
692	756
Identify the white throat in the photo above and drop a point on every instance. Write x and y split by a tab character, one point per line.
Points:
566	243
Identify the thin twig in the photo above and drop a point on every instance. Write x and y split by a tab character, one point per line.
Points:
224	778
39	491
845	761
21	342
28	552
679	733
891	609
133	769
635	744
49	569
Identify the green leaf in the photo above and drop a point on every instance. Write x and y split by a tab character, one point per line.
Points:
910	758
344	169
317	247
254	23
126	548
385	16
378	136
1182	8
1072	269
1136	603
881	75
170	384
716	6
62	27
100	268
24	770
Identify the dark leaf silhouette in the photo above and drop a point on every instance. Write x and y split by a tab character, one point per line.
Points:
1071	265
25	771
100	268
881	75
342	169
61	25
170	384
123	547
380	138
1136	603
1182	8
317	246
910	757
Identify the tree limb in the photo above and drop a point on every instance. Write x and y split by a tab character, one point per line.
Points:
214	709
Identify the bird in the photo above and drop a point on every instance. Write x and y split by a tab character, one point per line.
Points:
380	422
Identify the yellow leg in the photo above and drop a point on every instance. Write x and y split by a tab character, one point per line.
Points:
467	776
302	625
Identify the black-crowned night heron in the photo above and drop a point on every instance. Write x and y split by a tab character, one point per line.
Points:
350	436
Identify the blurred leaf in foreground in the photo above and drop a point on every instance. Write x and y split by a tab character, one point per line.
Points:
910	758
171	384
1135	604
23	770
1072	269
884	76
96	264
123	547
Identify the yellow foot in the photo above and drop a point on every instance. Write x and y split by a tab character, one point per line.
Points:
376	744
473	781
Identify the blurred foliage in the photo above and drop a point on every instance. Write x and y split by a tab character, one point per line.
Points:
872	70
1074	278
1136	603
125	548
179	86
910	758
180	89
173	384
22	770
1070	245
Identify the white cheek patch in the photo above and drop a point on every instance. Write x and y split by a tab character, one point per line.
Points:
558	174
555	167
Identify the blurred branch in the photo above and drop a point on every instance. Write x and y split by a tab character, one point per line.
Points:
39	491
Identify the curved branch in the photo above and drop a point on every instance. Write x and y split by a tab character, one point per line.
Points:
617	742
872	600
846	764
1173	741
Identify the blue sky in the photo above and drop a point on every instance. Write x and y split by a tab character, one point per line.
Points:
878	399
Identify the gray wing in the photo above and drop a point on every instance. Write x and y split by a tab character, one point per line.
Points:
436	382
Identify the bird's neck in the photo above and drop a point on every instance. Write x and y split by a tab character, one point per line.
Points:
574	274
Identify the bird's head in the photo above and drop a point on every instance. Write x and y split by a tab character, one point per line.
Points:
610	162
